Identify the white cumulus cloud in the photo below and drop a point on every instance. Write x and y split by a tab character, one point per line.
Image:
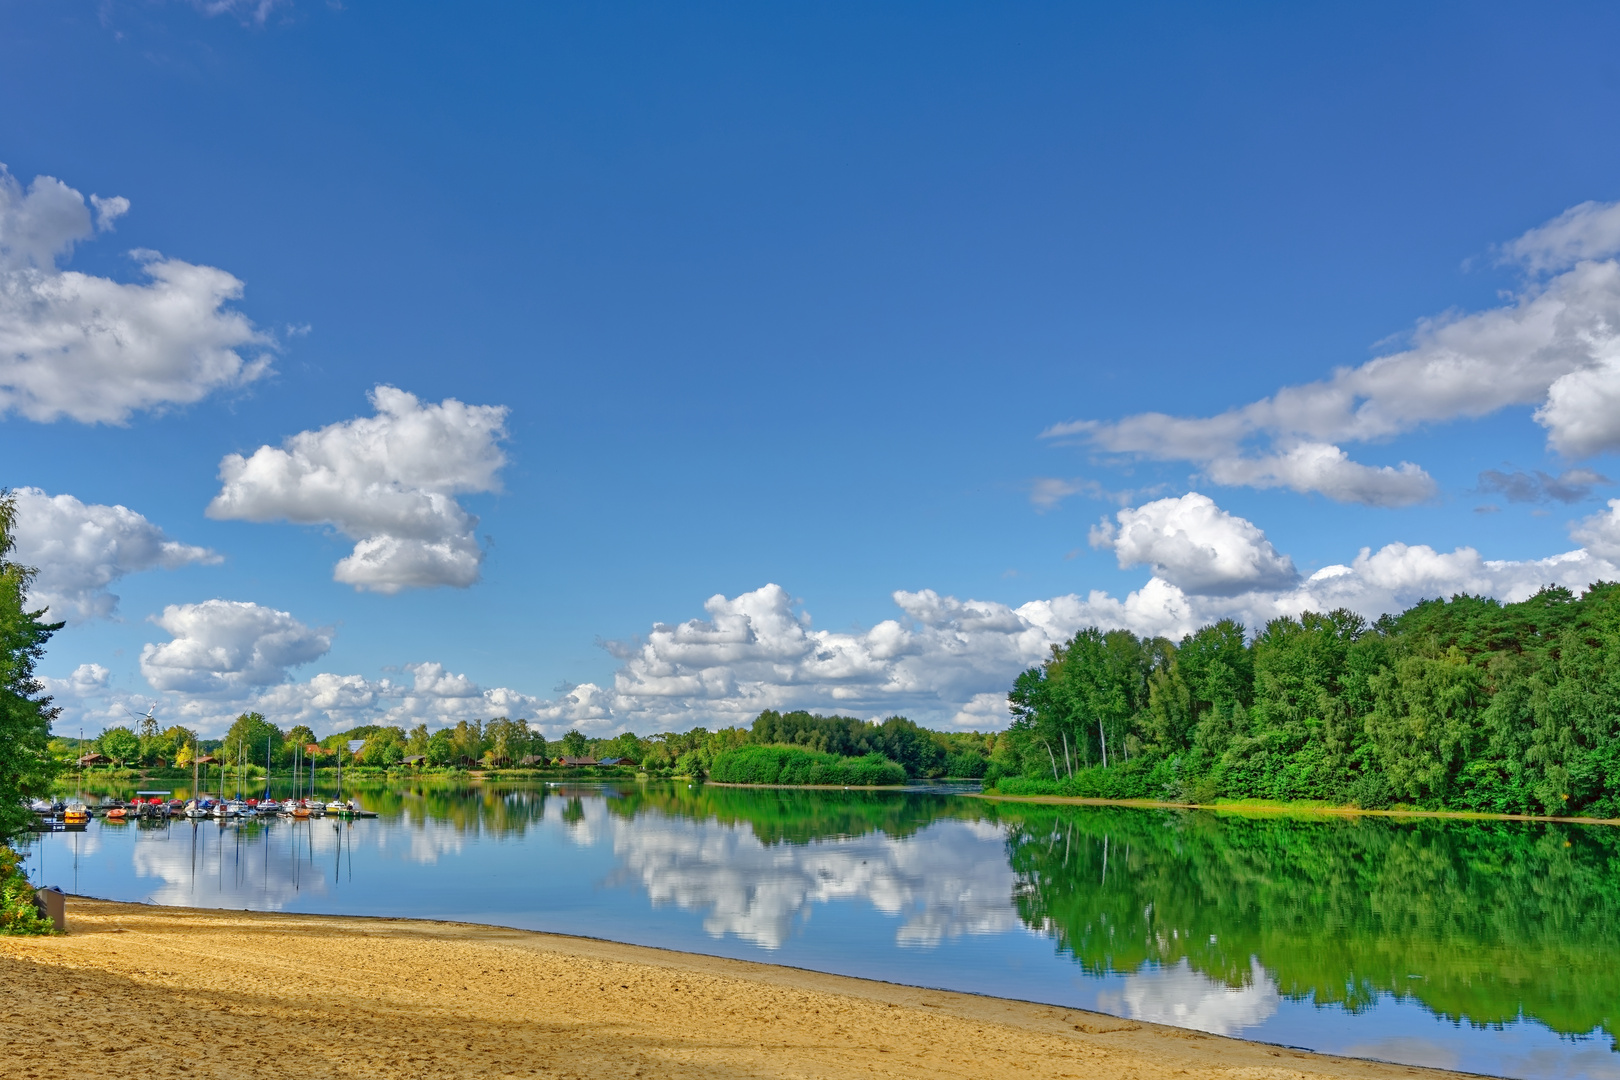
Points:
85	681
1555	345
1196	546
1600	533
221	647
387	481
96	350
81	549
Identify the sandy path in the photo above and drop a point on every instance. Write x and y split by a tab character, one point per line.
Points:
137	991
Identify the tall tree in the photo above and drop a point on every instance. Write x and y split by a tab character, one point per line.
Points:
26	767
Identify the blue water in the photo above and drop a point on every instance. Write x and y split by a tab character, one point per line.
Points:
926	889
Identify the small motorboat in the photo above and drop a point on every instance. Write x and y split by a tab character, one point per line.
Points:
76	814
238	808
268	806
43	807
196	809
117	813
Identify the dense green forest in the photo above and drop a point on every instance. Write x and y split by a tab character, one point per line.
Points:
1466	704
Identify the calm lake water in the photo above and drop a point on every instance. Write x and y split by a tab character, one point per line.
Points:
1491	947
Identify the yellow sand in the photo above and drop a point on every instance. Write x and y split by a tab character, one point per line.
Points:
145	992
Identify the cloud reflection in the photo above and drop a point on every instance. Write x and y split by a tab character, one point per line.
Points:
207	865
948	880
1182	997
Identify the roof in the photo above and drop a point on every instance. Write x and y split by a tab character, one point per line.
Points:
92	759
413	759
615	761
580	761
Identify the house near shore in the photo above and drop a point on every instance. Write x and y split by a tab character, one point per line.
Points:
415	760
95	759
531	761
576	762
615	761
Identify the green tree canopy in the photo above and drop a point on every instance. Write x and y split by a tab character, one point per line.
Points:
26	765
246	741
119	743
1465	703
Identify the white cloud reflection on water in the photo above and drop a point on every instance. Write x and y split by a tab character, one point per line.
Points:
1186	998
948	880
206	865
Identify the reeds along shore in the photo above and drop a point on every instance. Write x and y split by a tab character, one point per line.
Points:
140	990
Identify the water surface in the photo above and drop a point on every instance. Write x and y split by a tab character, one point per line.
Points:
1491	947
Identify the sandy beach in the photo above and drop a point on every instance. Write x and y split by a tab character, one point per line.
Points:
135	990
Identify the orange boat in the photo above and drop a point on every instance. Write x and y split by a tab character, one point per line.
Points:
117	813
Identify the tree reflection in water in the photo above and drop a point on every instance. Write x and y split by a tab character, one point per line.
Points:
1481	922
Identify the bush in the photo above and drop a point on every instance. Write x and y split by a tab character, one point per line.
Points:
18	915
969	766
796	766
1129	781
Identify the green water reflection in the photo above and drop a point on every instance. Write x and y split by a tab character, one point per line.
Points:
1481	922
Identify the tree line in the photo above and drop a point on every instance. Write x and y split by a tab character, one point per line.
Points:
1466	704
502	742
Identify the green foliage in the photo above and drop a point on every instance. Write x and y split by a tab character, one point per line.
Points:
919	751
795	765
1465	704
574	744
26	764
249	738
18	915
119	743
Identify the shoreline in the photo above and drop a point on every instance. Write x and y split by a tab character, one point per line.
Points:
1262	808
247	994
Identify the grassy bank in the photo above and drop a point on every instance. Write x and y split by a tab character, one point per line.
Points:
1293	807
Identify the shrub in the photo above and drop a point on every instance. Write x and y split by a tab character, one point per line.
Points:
794	765
971	766
18	915
1130	781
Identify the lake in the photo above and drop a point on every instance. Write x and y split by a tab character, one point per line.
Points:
1486	946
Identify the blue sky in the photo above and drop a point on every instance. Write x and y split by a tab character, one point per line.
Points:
789	295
